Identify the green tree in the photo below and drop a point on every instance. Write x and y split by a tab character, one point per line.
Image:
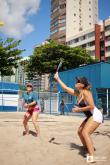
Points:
45	58
9	56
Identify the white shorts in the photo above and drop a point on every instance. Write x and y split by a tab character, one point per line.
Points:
97	115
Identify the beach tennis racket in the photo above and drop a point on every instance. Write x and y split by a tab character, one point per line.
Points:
60	65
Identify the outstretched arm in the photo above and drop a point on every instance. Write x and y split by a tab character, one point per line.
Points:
63	85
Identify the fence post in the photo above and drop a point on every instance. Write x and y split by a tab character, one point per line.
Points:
59	101
2	91
50	93
107	103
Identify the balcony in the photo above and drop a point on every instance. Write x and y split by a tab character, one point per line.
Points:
79	43
107	43
92	48
107	54
107	33
62	2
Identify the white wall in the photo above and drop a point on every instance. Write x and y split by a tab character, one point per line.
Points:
9	99
84	10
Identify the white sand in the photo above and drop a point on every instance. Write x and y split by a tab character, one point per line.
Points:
16	149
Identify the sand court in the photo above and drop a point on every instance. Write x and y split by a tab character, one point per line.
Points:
65	149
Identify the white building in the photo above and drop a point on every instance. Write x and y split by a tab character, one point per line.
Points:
81	15
70	17
41	83
96	40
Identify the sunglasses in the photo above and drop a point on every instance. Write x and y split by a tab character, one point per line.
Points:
29	86
78	81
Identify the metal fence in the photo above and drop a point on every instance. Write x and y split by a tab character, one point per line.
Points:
48	102
104	101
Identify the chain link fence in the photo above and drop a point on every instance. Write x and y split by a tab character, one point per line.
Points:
48	102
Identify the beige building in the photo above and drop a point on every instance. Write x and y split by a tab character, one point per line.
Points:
75	23
96	40
70	17
81	15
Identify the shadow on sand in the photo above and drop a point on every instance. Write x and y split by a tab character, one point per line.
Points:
33	133
81	149
104	133
72	146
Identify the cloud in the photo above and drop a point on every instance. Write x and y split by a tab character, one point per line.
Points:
15	15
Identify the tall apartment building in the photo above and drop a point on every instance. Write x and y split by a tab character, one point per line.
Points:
58	21
81	15
69	17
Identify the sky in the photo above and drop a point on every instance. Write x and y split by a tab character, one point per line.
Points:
29	20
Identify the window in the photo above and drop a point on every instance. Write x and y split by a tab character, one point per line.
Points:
54	24
89	9
62	28
55	9
89	2
62	37
62	21
82	38
63	6
55	19
107	28
92	53
108	49
91	43
89	16
92	34
108	38
54	31
84	46
89	23
80	29
108	59
74	14
76	40
70	99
